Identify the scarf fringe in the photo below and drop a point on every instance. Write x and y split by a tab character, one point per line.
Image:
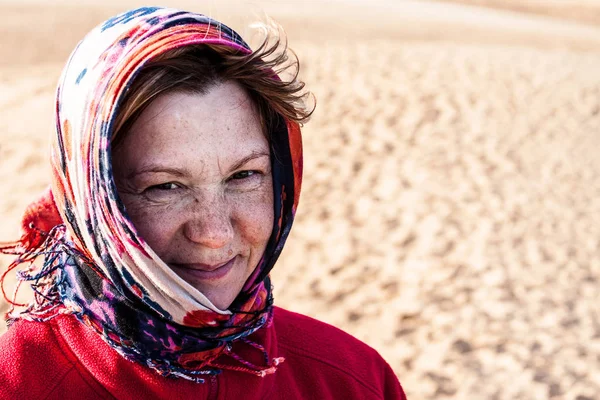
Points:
271	364
46	303
42	231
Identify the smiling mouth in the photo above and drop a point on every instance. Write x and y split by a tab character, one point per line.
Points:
203	271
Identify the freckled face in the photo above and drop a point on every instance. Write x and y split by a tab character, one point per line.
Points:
194	173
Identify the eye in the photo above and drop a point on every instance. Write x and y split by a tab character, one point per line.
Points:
164	187
244	174
162	192
246	180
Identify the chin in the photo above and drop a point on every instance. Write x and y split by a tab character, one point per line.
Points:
222	303
218	298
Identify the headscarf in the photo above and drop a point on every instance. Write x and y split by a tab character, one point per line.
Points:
96	266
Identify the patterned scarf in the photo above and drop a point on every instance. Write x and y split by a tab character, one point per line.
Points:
96	266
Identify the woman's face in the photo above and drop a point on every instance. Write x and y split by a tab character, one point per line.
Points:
194	173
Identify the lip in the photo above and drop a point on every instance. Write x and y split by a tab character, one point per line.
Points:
203	271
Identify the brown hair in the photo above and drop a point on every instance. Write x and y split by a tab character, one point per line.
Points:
197	68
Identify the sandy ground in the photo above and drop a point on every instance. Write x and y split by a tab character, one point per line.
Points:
585	11
450	211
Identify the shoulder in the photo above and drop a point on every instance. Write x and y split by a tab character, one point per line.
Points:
33	361
28	352
307	334
326	352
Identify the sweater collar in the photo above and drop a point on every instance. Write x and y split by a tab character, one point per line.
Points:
124	379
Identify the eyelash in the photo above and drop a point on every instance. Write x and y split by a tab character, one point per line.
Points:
251	172
161	187
245	175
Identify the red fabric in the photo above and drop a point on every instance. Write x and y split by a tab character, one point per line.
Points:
39	219
63	359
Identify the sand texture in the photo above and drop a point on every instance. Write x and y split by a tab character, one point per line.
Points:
450	214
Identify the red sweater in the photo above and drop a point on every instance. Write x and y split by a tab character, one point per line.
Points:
63	359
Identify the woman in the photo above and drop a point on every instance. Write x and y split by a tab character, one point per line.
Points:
176	175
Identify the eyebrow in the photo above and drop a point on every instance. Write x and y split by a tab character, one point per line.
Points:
253	155
179	172
182	172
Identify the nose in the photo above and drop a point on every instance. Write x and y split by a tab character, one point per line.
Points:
209	224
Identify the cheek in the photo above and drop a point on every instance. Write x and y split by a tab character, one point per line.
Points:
255	218
156	225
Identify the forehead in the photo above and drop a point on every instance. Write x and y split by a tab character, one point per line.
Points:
223	121
221	102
